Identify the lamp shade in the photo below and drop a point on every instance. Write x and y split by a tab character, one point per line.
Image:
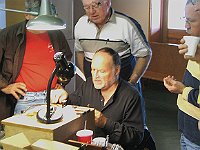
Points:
46	20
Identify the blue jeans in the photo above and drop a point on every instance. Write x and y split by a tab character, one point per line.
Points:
30	100
188	145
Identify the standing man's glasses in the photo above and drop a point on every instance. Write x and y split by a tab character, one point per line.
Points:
94	5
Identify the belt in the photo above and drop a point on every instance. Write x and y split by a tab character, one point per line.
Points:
34	96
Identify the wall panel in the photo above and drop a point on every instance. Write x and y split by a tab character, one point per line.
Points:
13	17
137	9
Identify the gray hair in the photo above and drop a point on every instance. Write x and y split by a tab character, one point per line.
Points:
193	2
104	0
34	6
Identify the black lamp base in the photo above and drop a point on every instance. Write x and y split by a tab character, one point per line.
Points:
55	115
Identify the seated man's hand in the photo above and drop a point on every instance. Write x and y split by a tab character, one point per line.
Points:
15	89
58	95
100	119
184	49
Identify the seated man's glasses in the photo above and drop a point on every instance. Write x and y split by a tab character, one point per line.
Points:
194	2
188	21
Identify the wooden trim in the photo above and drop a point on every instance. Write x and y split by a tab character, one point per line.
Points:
155	33
164	35
164	20
150	20
175	35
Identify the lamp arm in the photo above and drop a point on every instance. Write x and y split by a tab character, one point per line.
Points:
48	116
20	11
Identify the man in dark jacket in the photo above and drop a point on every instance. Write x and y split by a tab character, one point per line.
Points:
26	63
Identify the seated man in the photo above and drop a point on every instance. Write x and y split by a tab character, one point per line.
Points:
118	111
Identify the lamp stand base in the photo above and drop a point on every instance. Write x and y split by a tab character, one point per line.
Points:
55	115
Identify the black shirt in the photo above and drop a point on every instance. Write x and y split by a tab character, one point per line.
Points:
123	110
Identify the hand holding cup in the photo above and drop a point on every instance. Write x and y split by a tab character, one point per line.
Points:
192	43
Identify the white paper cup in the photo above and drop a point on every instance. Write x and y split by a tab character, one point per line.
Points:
191	42
99	141
85	136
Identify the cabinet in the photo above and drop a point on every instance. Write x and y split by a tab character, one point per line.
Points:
165	61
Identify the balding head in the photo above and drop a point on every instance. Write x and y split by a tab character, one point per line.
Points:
105	68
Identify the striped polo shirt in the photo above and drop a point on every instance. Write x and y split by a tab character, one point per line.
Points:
121	33
187	124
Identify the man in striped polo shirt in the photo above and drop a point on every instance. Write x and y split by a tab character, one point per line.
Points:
104	27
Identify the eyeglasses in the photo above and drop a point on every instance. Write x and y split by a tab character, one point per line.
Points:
188	21
94	5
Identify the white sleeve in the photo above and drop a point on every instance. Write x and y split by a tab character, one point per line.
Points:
77	45
138	42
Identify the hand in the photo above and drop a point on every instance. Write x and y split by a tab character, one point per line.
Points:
58	86
58	95
15	89
183	49
100	119
134	79
172	85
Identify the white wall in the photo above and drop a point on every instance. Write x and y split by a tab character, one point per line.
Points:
70	11
2	15
137	9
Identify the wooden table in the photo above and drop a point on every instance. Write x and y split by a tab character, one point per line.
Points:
73	120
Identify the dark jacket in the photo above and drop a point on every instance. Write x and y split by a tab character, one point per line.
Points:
187	124
12	49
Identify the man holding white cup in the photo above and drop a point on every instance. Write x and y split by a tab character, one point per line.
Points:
192	29
189	98
183	49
